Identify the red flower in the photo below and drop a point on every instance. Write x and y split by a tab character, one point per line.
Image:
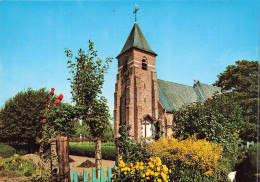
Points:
52	92
43	120
60	97
52	88
57	101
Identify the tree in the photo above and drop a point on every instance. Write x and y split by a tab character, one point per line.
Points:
228	116
21	119
86	82
242	79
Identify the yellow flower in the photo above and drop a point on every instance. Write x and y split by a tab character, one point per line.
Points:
1	157
163	176
143	175
148	178
156	174
159	180
170	171
15	155
209	173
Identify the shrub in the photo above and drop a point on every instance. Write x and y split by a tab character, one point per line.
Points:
247	169
130	150
140	171
191	159
108	152
88	149
6	150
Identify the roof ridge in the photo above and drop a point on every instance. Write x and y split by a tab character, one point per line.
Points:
175	83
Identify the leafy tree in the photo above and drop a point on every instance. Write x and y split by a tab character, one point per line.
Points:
228	116
86	82
217	119
242	79
21	119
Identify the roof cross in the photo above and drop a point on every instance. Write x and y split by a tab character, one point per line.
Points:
135	12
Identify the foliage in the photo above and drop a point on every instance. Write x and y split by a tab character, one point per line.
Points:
17	166
19	119
86	82
242	79
219	119
247	169
60	120
130	150
191	159
6	150
88	149
151	171
81	130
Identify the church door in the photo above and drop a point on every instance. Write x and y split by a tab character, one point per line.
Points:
146	128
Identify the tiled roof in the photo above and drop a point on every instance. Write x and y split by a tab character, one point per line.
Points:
208	90
173	95
137	40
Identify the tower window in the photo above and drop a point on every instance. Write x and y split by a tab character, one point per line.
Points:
144	64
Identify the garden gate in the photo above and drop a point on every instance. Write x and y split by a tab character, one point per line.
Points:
60	158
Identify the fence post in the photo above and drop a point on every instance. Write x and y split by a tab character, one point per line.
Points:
63	156
54	159
98	156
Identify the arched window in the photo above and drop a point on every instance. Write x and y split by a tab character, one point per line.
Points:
144	64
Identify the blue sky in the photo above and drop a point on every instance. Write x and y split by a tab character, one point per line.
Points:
194	39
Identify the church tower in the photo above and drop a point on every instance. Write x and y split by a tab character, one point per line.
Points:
136	89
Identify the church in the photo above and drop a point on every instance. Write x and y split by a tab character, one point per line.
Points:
143	101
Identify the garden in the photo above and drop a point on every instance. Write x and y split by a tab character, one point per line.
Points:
209	138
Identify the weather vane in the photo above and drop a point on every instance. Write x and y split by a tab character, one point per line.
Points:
135	11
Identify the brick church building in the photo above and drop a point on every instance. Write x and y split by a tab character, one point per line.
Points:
143	101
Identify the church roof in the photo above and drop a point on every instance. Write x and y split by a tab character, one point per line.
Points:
137	40
173	95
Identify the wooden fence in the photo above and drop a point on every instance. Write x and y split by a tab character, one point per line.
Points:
74	176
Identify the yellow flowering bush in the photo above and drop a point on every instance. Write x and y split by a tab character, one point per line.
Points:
153	170
190	158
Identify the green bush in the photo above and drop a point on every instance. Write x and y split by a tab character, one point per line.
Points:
130	150
247	169
6	150
88	149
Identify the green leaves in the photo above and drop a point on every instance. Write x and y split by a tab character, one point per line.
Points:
87	79
21	119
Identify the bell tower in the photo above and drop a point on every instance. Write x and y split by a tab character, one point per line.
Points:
136	90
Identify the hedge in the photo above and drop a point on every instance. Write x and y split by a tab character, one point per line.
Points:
88	150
